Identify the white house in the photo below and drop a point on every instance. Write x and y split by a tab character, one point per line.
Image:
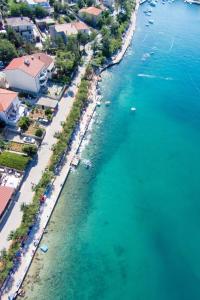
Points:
22	25
9	107
29	73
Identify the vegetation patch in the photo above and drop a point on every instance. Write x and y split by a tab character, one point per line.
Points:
14	146
13	160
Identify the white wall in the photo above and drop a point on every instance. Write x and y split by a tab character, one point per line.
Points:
3	115
20	80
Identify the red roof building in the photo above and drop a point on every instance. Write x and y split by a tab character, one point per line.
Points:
6	194
91	14
6	99
29	73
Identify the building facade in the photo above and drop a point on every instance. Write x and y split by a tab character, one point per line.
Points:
9	107
29	73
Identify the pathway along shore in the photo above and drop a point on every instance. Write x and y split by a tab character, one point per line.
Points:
15	281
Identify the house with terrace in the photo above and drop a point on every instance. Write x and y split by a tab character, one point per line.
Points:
29	73
68	29
90	14
22	25
10	108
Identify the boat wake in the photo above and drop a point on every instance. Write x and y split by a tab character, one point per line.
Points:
154	76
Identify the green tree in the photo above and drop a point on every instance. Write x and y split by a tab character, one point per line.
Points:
14	37
24	123
65	63
83	38
39	132
7	51
21	9
30	150
40	12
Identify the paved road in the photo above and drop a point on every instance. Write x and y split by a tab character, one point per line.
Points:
44	153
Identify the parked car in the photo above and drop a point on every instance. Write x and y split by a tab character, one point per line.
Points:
43	121
29	140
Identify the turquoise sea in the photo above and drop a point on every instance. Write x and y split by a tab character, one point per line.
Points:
128	228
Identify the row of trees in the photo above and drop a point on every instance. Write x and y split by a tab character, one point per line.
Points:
12	45
23	9
112	30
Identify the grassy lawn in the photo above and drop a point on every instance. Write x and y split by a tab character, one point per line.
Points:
13	160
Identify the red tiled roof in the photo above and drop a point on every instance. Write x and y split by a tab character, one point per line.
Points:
80	26
46	59
6	98
5	196
91	10
28	64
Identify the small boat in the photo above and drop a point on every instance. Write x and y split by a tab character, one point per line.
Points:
153	3
107	103
133	109
98	103
151	21
44	248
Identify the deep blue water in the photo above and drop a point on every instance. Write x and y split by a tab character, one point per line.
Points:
128	228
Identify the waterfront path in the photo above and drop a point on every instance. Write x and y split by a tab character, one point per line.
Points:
17	278
44	154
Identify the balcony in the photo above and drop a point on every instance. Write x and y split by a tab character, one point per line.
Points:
43	76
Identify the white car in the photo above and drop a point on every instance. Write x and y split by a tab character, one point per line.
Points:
29	140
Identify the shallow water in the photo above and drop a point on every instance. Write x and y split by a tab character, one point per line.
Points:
128	228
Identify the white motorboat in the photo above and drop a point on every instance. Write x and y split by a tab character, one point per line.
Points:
151	21
133	109
107	103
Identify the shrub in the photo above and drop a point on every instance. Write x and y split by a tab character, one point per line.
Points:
30	150
39	132
24	123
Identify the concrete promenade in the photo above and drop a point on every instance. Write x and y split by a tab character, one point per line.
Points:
44	154
47	209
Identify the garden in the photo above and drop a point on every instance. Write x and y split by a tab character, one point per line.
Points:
13	160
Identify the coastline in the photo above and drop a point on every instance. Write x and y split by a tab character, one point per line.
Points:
14	283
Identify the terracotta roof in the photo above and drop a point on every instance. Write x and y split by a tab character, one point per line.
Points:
28	64
71	28
67	28
80	26
5	196
91	10
18	21
46	59
6	98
